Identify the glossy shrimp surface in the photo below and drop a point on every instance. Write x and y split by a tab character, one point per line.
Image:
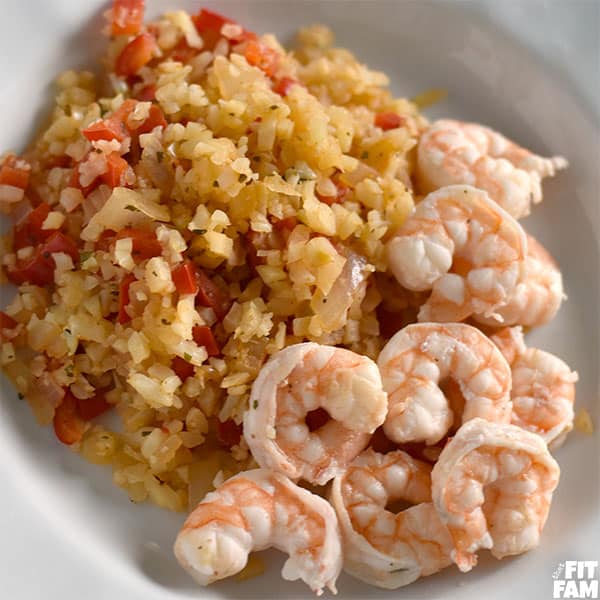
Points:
453	152
256	510
538	296
492	486
419	358
303	378
543	389
381	547
464	248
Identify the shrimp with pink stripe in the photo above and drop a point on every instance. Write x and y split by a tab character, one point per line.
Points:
492	487
464	248
419	358
537	297
256	510
381	547
454	152
303	378
543	389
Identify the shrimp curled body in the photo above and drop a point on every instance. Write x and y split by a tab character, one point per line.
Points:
464	248
537	297
492	486
382	548
256	510
453	152
543	389
302	378
419	357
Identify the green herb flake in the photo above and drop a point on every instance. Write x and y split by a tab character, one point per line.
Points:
365	154
85	255
255	404
132	208
273	107
187	357
215	184
242	178
20	396
146	433
69	370
67	331
199	231
160	156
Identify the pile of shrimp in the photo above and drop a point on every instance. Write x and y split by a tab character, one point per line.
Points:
456	418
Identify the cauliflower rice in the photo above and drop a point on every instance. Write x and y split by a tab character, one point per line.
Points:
207	201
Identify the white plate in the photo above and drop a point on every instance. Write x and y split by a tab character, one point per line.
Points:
67	533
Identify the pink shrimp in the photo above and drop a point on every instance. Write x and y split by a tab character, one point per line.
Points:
256	510
386	549
453	152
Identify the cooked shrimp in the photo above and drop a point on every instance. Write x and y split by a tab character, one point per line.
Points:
463	247
302	378
455	152
256	510
537	297
543	388
382	548
419	358
492	487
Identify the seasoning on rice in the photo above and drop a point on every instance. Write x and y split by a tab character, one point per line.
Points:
208	201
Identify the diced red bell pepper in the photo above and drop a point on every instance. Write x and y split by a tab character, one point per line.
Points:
263	57
127	17
286	224
229	433
11	174
183	369
156	118
209	24
184	278
209	294
106	129
115	170
107	237
7	324
183	52
315	419
39	269
135	55
389	120
284	85
68	425
147	94
116	127
76	182
123	317
203	336
342	192
208	20
144	243
93	407
121	114
29	232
